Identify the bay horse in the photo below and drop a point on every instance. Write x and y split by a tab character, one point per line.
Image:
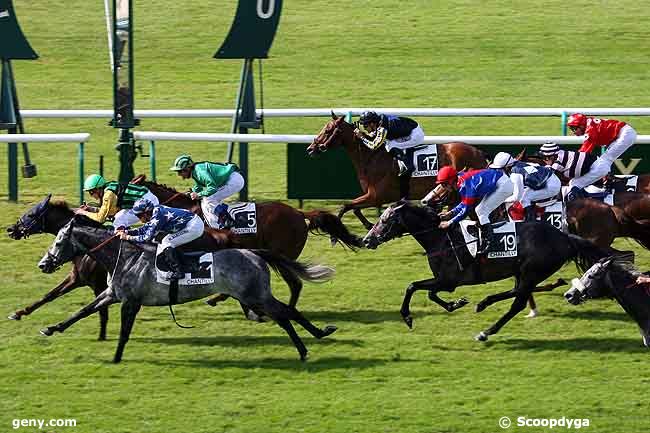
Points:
611	278
542	251
242	274
377	170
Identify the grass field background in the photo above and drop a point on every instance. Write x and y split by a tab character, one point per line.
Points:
373	375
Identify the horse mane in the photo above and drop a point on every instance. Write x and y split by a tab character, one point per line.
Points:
61	203
151	184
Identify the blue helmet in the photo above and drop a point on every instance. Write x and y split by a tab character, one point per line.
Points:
141	206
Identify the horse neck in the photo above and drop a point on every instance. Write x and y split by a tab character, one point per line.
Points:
56	217
423	231
361	156
165	194
632	298
107	255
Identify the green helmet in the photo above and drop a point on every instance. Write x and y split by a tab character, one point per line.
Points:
182	162
94	181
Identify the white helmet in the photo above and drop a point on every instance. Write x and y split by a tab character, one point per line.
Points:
502	160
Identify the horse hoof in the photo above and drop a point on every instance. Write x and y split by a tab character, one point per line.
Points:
304	356
14	316
480	307
48	332
460	303
532	314
211	303
482	336
328	330
333	241
409	321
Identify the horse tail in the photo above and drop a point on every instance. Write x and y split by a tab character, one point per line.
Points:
324	222
585	253
291	270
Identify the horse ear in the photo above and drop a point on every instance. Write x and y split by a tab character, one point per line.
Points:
333	115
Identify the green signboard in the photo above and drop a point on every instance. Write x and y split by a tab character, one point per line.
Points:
14	45
332	176
252	31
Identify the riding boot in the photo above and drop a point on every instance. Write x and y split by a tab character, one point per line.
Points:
402	161
174	262
575	193
530	213
486	238
223	217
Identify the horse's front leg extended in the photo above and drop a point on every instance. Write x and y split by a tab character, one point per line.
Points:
357	204
129	311
430	284
72	281
106	298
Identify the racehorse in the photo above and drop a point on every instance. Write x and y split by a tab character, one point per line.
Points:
542	251
49	217
280	227
615	279
377	170
242	274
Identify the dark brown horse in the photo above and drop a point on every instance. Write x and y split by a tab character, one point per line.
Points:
377	170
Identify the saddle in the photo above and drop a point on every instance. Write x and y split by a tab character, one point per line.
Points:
190	264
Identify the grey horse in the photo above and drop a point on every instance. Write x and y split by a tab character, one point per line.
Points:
242	274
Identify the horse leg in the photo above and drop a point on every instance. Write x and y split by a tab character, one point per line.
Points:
449	306
105	299
295	285
70	282
430	284
533	307
103	322
517	305
357	204
213	301
129	311
491	299
366	223
288	327
295	315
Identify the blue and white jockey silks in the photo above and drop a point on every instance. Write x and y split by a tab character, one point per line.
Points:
180	225
532	183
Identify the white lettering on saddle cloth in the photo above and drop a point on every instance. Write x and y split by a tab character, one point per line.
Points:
245	217
504	241
555	216
425	161
205	274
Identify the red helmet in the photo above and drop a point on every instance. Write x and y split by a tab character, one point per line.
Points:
577	119
447	174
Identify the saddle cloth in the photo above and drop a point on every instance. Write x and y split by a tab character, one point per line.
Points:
198	268
503	244
244	215
425	160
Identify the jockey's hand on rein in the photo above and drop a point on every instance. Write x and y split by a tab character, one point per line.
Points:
444	225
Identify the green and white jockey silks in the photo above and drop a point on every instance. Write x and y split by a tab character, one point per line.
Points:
127	195
214	183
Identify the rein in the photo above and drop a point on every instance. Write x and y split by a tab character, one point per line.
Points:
103	244
173	197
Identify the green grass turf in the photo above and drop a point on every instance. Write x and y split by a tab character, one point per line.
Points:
373	375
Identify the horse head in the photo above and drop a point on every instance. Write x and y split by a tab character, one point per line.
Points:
336	132
591	284
399	219
63	249
31	222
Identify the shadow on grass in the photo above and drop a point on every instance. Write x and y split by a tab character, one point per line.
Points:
334	317
586	344
294	364
590	315
241	341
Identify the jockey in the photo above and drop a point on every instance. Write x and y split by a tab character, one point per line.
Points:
617	136
398	134
569	165
483	189
531	182
181	227
116	199
213	183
